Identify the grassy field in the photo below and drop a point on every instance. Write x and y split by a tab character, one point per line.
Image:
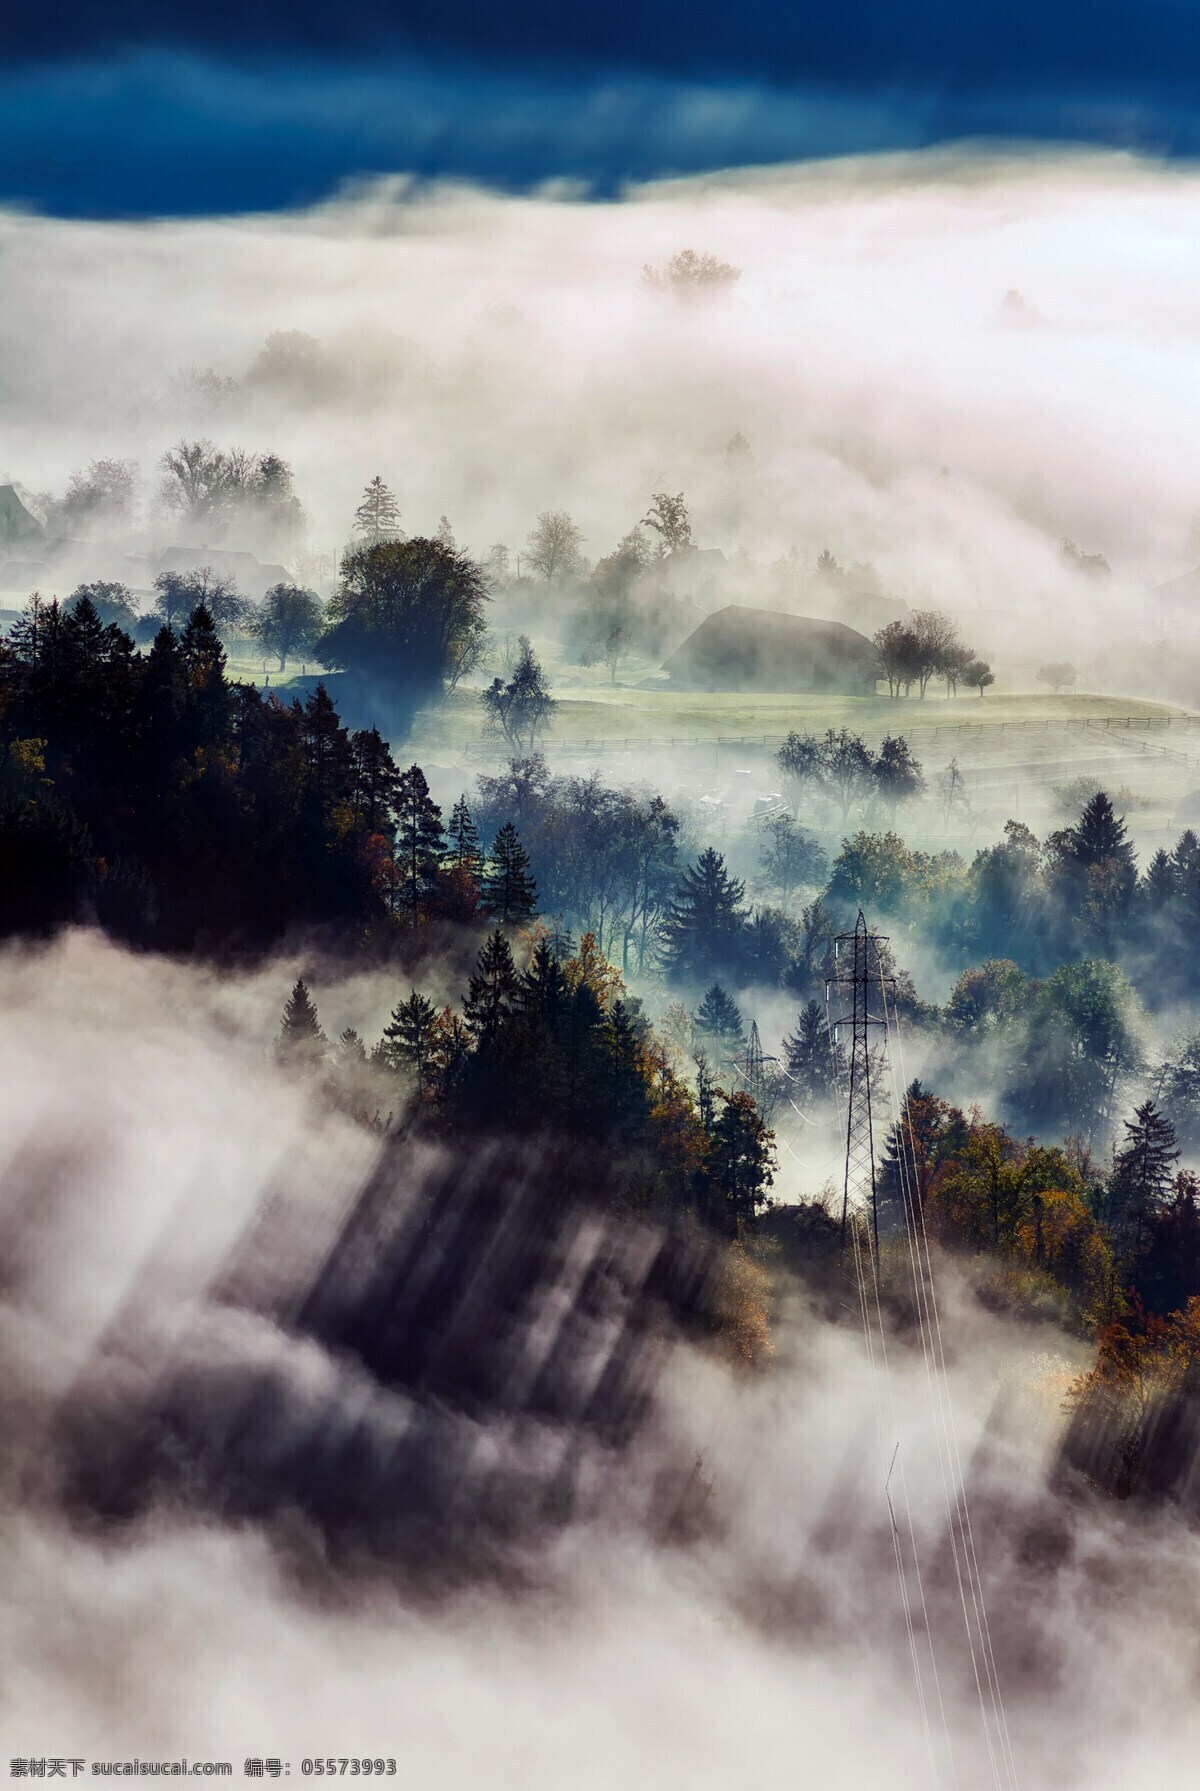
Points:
604	716
594	717
1022	753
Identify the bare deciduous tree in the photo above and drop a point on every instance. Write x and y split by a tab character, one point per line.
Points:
553	547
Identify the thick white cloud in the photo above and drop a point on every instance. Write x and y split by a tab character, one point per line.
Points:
500	357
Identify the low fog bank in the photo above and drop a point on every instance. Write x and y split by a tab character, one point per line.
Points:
942	365
701	1596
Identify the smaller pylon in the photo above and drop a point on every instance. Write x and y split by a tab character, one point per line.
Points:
859	984
760	1084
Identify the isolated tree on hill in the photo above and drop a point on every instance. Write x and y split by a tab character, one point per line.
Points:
497	563
301	1045
978	675
704	922
552	550
409	613
509	892
520	708
692	275
1056	673
1142	1172
719	1018
445	534
668	517
410	1037
419	841
377	517
112	602
1093	564
289	622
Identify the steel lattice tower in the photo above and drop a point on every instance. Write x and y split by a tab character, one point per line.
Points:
753	1069
859	988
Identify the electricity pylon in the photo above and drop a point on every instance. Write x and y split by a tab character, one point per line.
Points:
859	990
760	1083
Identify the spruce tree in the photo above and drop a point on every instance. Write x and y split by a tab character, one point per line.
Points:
326	749
544	987
410	1037
419	841
492	992
376	781
1099	837
1186	856
301	1045
203	659
84	638
1158	884
719	1019
462	847
377	517
812	1060
349	1049
706	1092
627	1095
702	931
1142	1173
509	892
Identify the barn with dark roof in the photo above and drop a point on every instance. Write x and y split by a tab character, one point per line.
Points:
768	650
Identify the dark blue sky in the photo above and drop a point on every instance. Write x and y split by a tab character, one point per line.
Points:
136	108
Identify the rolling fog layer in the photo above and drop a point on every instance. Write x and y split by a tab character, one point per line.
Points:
142	1125
492	357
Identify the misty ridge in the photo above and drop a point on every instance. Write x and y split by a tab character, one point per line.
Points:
598	1042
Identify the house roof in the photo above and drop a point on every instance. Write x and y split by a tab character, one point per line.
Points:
17	519
742	643
1184	589
252	574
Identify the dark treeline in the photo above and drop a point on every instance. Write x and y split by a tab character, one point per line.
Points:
547	1043
183	811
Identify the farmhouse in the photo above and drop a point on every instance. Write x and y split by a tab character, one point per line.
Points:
18	523
253	577
767	650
